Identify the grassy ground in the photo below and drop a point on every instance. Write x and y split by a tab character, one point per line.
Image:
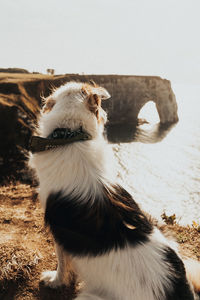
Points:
24	77
26	248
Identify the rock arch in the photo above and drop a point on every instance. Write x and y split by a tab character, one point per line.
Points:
130	93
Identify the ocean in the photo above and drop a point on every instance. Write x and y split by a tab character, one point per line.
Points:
160	165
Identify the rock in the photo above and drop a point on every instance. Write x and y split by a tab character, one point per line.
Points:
13	70
20	102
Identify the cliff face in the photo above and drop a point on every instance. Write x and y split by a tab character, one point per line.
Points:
128	95
20	102
131	93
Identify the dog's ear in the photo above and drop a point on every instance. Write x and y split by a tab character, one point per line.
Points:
101	92
49	104
94	104
94	95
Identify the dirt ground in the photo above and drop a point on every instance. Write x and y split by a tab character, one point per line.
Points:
26	247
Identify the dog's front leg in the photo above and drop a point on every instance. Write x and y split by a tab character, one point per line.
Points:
62	275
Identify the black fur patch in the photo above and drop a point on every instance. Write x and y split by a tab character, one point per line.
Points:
180	287
109	223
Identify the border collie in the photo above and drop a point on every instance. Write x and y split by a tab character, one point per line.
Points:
98	227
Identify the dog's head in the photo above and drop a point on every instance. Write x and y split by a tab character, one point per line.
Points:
73	105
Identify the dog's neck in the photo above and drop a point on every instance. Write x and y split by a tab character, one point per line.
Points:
79	168
59	137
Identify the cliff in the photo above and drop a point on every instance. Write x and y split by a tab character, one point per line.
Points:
20	102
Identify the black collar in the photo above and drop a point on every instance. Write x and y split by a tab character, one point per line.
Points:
59	137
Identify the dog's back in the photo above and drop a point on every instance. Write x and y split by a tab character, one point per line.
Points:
115	248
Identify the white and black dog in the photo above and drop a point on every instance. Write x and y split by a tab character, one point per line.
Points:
112	244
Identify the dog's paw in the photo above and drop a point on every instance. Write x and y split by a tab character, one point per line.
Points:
50	279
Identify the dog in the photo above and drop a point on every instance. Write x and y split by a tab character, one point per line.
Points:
98	228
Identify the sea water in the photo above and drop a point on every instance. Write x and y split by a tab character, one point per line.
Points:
160	165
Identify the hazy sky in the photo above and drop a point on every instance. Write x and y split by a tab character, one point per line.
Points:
141	37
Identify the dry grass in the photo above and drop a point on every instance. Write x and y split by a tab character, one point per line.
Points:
16	263
26	248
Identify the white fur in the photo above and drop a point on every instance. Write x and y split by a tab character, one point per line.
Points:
118	275
70	111
56	169
81	168
193	273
